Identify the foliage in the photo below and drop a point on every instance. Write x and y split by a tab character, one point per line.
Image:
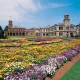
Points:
6	28
1	33
1	28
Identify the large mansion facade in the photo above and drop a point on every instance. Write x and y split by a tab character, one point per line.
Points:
64	29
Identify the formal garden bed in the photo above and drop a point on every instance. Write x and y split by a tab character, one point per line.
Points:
35	62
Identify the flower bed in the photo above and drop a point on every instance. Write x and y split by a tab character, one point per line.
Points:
45	39
35	62
40	71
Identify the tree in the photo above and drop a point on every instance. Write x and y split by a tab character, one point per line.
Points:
1	28
1	32
6	28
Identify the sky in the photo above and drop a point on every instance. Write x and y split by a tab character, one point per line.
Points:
38	13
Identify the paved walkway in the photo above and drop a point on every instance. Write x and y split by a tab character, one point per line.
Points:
61	71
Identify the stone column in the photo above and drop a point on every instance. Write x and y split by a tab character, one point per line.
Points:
64	34
45	33
57	33
18	33
12	34
25	34
42	34
69	34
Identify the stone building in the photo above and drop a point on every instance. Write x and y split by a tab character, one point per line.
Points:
45	31
64	29
78	30
30	32
11	30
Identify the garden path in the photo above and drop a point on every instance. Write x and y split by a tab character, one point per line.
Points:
61	71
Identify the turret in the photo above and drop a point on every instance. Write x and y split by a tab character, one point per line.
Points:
66	20
10	23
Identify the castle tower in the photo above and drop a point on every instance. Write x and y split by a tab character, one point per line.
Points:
10	23
66	20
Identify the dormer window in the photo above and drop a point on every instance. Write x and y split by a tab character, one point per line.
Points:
71	28
67	28
60	28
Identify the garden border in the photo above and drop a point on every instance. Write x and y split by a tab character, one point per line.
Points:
62	70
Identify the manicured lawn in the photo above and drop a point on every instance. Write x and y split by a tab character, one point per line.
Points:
73	73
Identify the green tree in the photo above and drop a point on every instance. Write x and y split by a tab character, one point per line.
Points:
1	32
6	28
1	28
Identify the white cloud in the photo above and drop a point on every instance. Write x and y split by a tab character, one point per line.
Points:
22	10
54	5
17	9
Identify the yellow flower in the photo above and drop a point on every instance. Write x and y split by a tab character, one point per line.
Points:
0	76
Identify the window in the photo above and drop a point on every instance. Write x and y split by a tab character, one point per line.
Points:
66	17
71	28
55	28
43	34
19	34
46	30
67	28
13	34
47	34
23	34
43	30
10	29
52	29
61	34
16	34
54	34
10	34
37	34
71	34
60	28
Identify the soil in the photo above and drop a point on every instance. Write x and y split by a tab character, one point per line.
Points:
62	71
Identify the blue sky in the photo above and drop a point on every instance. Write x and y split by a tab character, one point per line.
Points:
38	13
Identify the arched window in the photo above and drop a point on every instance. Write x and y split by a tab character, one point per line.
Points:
16	34
10	34
23	34
13	34
19	34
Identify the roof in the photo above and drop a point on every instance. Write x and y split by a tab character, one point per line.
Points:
72	25
66	14
17	27
78	25
29	30
59	24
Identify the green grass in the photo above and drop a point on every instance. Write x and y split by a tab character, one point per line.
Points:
73	73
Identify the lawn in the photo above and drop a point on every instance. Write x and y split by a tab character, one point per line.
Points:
73	73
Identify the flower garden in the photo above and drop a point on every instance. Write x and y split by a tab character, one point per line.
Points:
24	60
